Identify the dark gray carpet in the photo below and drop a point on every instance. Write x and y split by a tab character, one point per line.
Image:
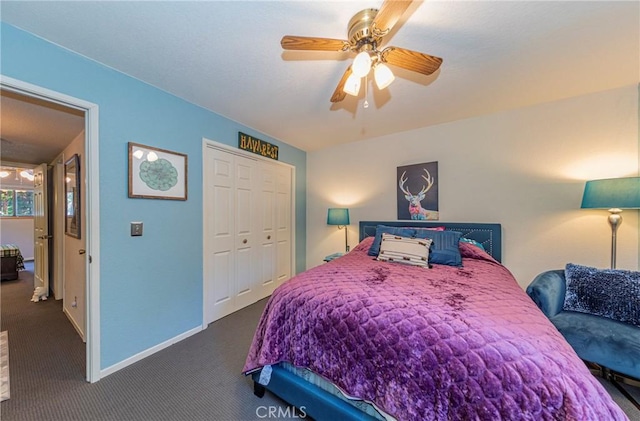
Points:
196	379
632	412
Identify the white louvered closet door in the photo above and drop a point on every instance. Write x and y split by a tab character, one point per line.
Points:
247	237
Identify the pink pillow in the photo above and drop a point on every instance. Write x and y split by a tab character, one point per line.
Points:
427	229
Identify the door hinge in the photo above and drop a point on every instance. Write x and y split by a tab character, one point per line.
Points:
90	259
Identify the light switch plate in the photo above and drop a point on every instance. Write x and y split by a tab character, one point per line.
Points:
136	229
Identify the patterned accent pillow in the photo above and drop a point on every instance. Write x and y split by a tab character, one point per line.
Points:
381	229
409	251
611	293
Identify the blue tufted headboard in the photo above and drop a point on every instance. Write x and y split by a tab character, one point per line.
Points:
489	235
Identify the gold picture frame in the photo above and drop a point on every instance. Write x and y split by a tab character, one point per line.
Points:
156	173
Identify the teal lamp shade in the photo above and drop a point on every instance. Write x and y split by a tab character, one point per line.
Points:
612	193
338	216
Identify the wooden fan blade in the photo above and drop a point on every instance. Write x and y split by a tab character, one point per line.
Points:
388	15
290	42
339	94
411	60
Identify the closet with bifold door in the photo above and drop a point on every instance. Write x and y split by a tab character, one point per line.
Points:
248	228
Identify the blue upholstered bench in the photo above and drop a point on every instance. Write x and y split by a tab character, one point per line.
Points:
611	344
614	347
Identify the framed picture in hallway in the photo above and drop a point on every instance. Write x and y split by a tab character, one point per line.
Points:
157	173
72	196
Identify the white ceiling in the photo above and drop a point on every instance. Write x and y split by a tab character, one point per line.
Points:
34	131
226	57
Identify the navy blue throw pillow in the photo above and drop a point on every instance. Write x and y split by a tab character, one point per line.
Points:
374	250
611	293
445	249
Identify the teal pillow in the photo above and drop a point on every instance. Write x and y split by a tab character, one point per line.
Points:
473	242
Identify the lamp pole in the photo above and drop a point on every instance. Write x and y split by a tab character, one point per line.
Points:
346	240
614	220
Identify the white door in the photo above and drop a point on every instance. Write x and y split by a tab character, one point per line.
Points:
245	231
219	258
40	229
283	224
242	235
266	203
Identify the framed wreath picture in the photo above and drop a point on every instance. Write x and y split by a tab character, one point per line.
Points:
157	173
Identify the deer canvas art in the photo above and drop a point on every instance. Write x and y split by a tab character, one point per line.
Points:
418	192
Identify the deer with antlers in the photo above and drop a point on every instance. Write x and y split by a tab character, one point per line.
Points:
416	211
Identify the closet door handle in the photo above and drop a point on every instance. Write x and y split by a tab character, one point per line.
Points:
244	241
268	237
82	251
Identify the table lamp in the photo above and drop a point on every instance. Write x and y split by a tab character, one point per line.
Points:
613	194
339	217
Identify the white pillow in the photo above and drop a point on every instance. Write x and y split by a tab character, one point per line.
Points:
410	251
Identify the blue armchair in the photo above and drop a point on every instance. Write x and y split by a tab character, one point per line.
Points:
611	344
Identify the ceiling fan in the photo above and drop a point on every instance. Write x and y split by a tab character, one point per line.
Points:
366	31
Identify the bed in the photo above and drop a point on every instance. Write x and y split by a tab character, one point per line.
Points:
11	262
359	338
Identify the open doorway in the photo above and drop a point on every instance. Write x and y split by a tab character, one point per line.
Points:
74	231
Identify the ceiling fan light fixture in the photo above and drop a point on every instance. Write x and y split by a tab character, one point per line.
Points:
4	174
352	85
26	174
383	75
366	31
361	64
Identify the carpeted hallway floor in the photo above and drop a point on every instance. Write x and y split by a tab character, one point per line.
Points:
196	379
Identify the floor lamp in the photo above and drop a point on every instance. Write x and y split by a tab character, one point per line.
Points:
613	194
339	217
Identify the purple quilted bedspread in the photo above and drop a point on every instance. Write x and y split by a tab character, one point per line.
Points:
446	343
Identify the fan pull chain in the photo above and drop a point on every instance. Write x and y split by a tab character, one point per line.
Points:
366	92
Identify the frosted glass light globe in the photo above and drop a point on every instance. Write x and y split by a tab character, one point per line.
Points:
352	85
361	64
383	75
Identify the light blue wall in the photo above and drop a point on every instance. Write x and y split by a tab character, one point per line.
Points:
151	286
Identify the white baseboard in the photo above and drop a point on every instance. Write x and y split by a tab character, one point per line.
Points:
73	323
147	352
